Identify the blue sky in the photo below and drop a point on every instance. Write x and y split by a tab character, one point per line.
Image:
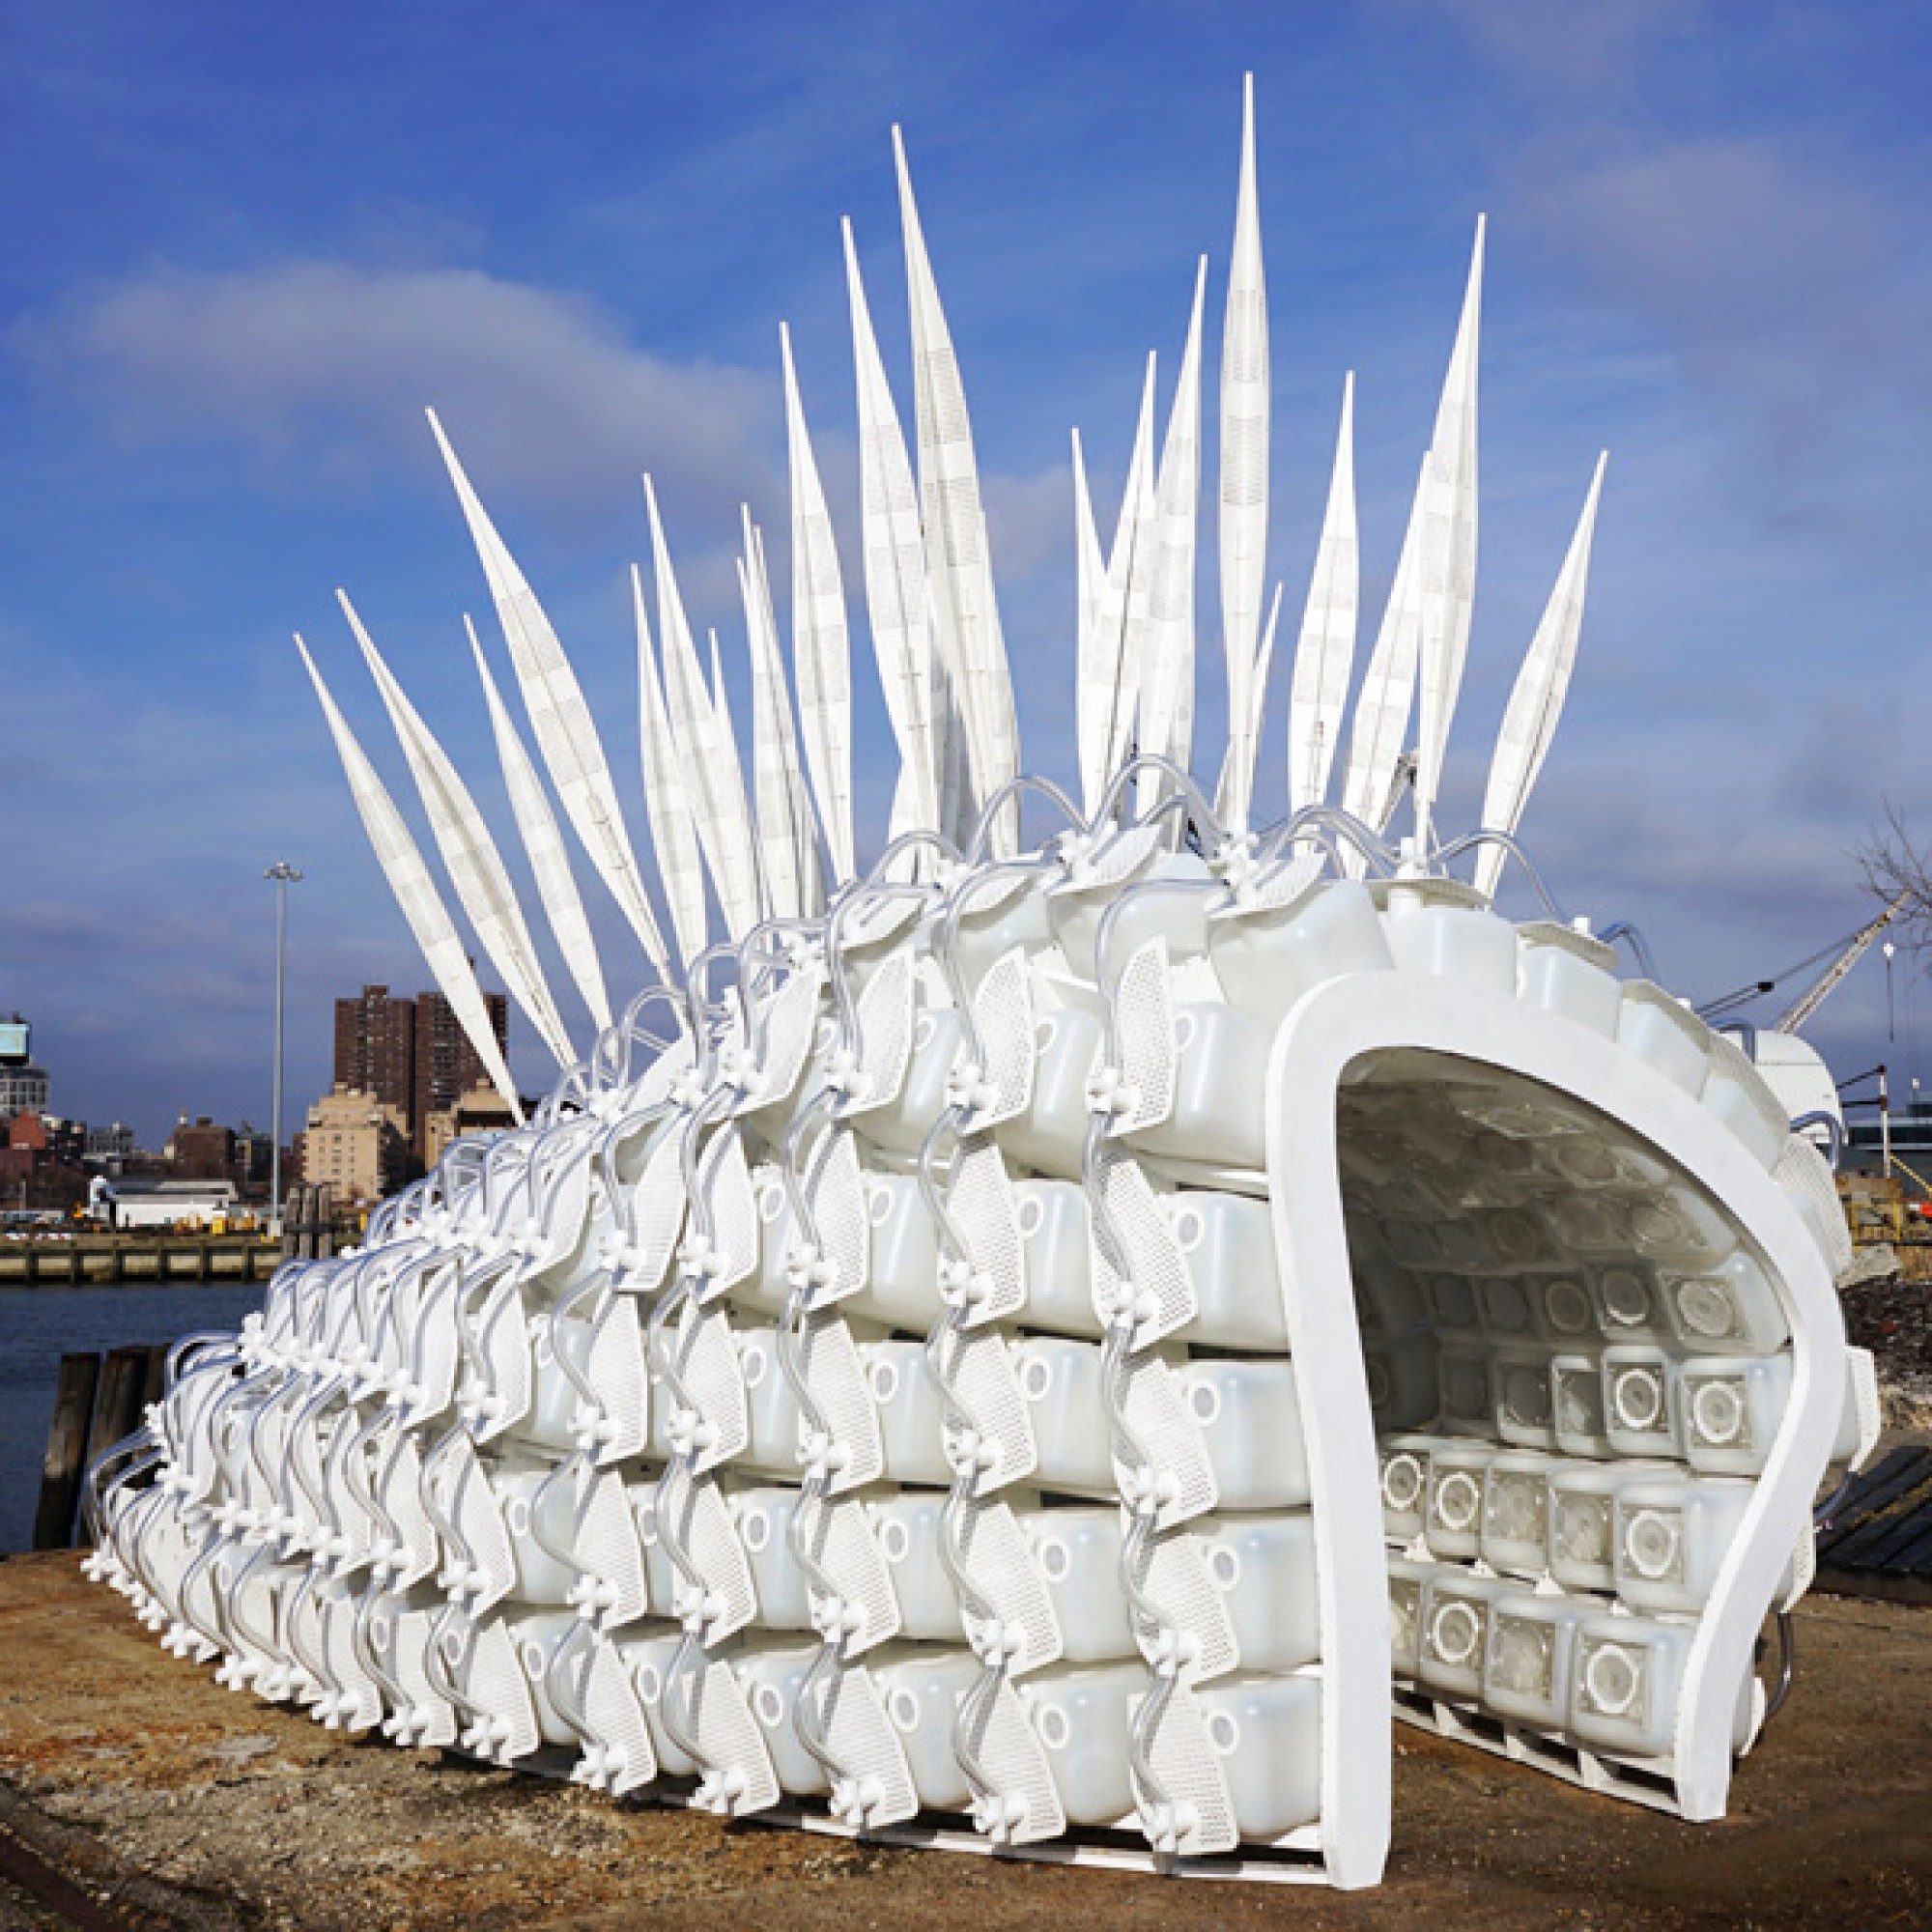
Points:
244	246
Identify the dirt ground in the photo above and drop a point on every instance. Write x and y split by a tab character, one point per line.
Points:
172	1803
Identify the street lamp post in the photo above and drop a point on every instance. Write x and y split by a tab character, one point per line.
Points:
284	875
1891	1029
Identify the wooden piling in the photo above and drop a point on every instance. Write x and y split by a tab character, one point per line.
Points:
67	1451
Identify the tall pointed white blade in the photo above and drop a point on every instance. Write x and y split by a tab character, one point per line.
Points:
543	844
1325	654
707	758
731	771
1090	566
1167	673
1387	695
1449	557
806	832
416	892
958	566
1263	664
567	736
1536	703
783	843
1244	470
820	636
1110	672
896	589
477	870
672	831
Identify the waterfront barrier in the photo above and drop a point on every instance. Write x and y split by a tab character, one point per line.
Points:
98	1400
79	1260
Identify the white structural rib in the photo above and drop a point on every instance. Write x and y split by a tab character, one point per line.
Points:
960	566
567	736
787	841
1167	670
1244	472
707	758
1090	565
1109	668
820	634
544	846
731	772
896	596
672	831
476	870
1449	551
1536	703
1387	695
1263	664
408	878
1325	654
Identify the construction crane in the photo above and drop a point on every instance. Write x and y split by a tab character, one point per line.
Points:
1827	982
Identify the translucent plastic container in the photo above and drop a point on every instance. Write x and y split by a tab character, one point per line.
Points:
1051	1135
903	1124
1589	1222
1515	1535
911	1417
1731	1408
1569	1316
1669	1036
1577	1404
1080	1713
1438	927
1519	1238
765	1289
1453	1515
1057	1230
770	1671
1406	1581
1525	1408
1454	1630
1265	961
1731	1309
1387	1300
662	1577
1078	1554
1630	1303
1510	1307
1229	1241
980	940
1462	1241
1404	1485
647	1654
1401	1380
1250	1417
1567	972
538	1637
1455	1305
1464	1388
1171	911
555	1400
921	1688
1526	1662
1264	1567
1624	1679
1064	1386
1641	1402
1737	1093
902	1283
764	1517
770	1405
542	1578
1678	1226
1220	1088
1671	1535
1582	1520
907	1526
1269	1733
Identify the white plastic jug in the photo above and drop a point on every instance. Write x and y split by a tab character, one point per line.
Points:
1250	1417
903	1124
770	1671
1567	972
1731	1309
1220	1088
902	1285
1078	1554
1582	1520
1057	1230
1624	1679
1401	1377
1526	1665
921	1685
1515	1513
1731	1408
1051	1135
1577	1404
1062	1384
907	1525
1080	1713
1641	1402
1671	1536
1265	961
1525	1404
647	1651
1229	1241
1669	1036
1267	1731
1453	1518
1404	1485
910	1416
1264	1568
1630	1304
1464	1387
1455	1629
1438	926
1406	1578
764	1517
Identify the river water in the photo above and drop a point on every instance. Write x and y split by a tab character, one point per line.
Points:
38	1325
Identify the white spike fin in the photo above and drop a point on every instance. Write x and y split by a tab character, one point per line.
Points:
1449	557
1167	673
1325	654
782	842
1110	675
807	831
1536	702
1263	664
416	892
1244	470
1088	562
738	801
476	868
820	634
1388	695
706	758
672	830
958	566
544	846
566	734
896	589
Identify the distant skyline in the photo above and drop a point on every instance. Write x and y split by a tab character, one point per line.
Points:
244	248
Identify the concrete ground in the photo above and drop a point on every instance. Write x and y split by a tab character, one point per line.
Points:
164	1801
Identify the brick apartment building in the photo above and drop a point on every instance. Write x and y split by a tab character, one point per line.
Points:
412	1055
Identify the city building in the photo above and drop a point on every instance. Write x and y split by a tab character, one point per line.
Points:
447	1065
201	1150
413	1055
355	1145
23	1086
481	1109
